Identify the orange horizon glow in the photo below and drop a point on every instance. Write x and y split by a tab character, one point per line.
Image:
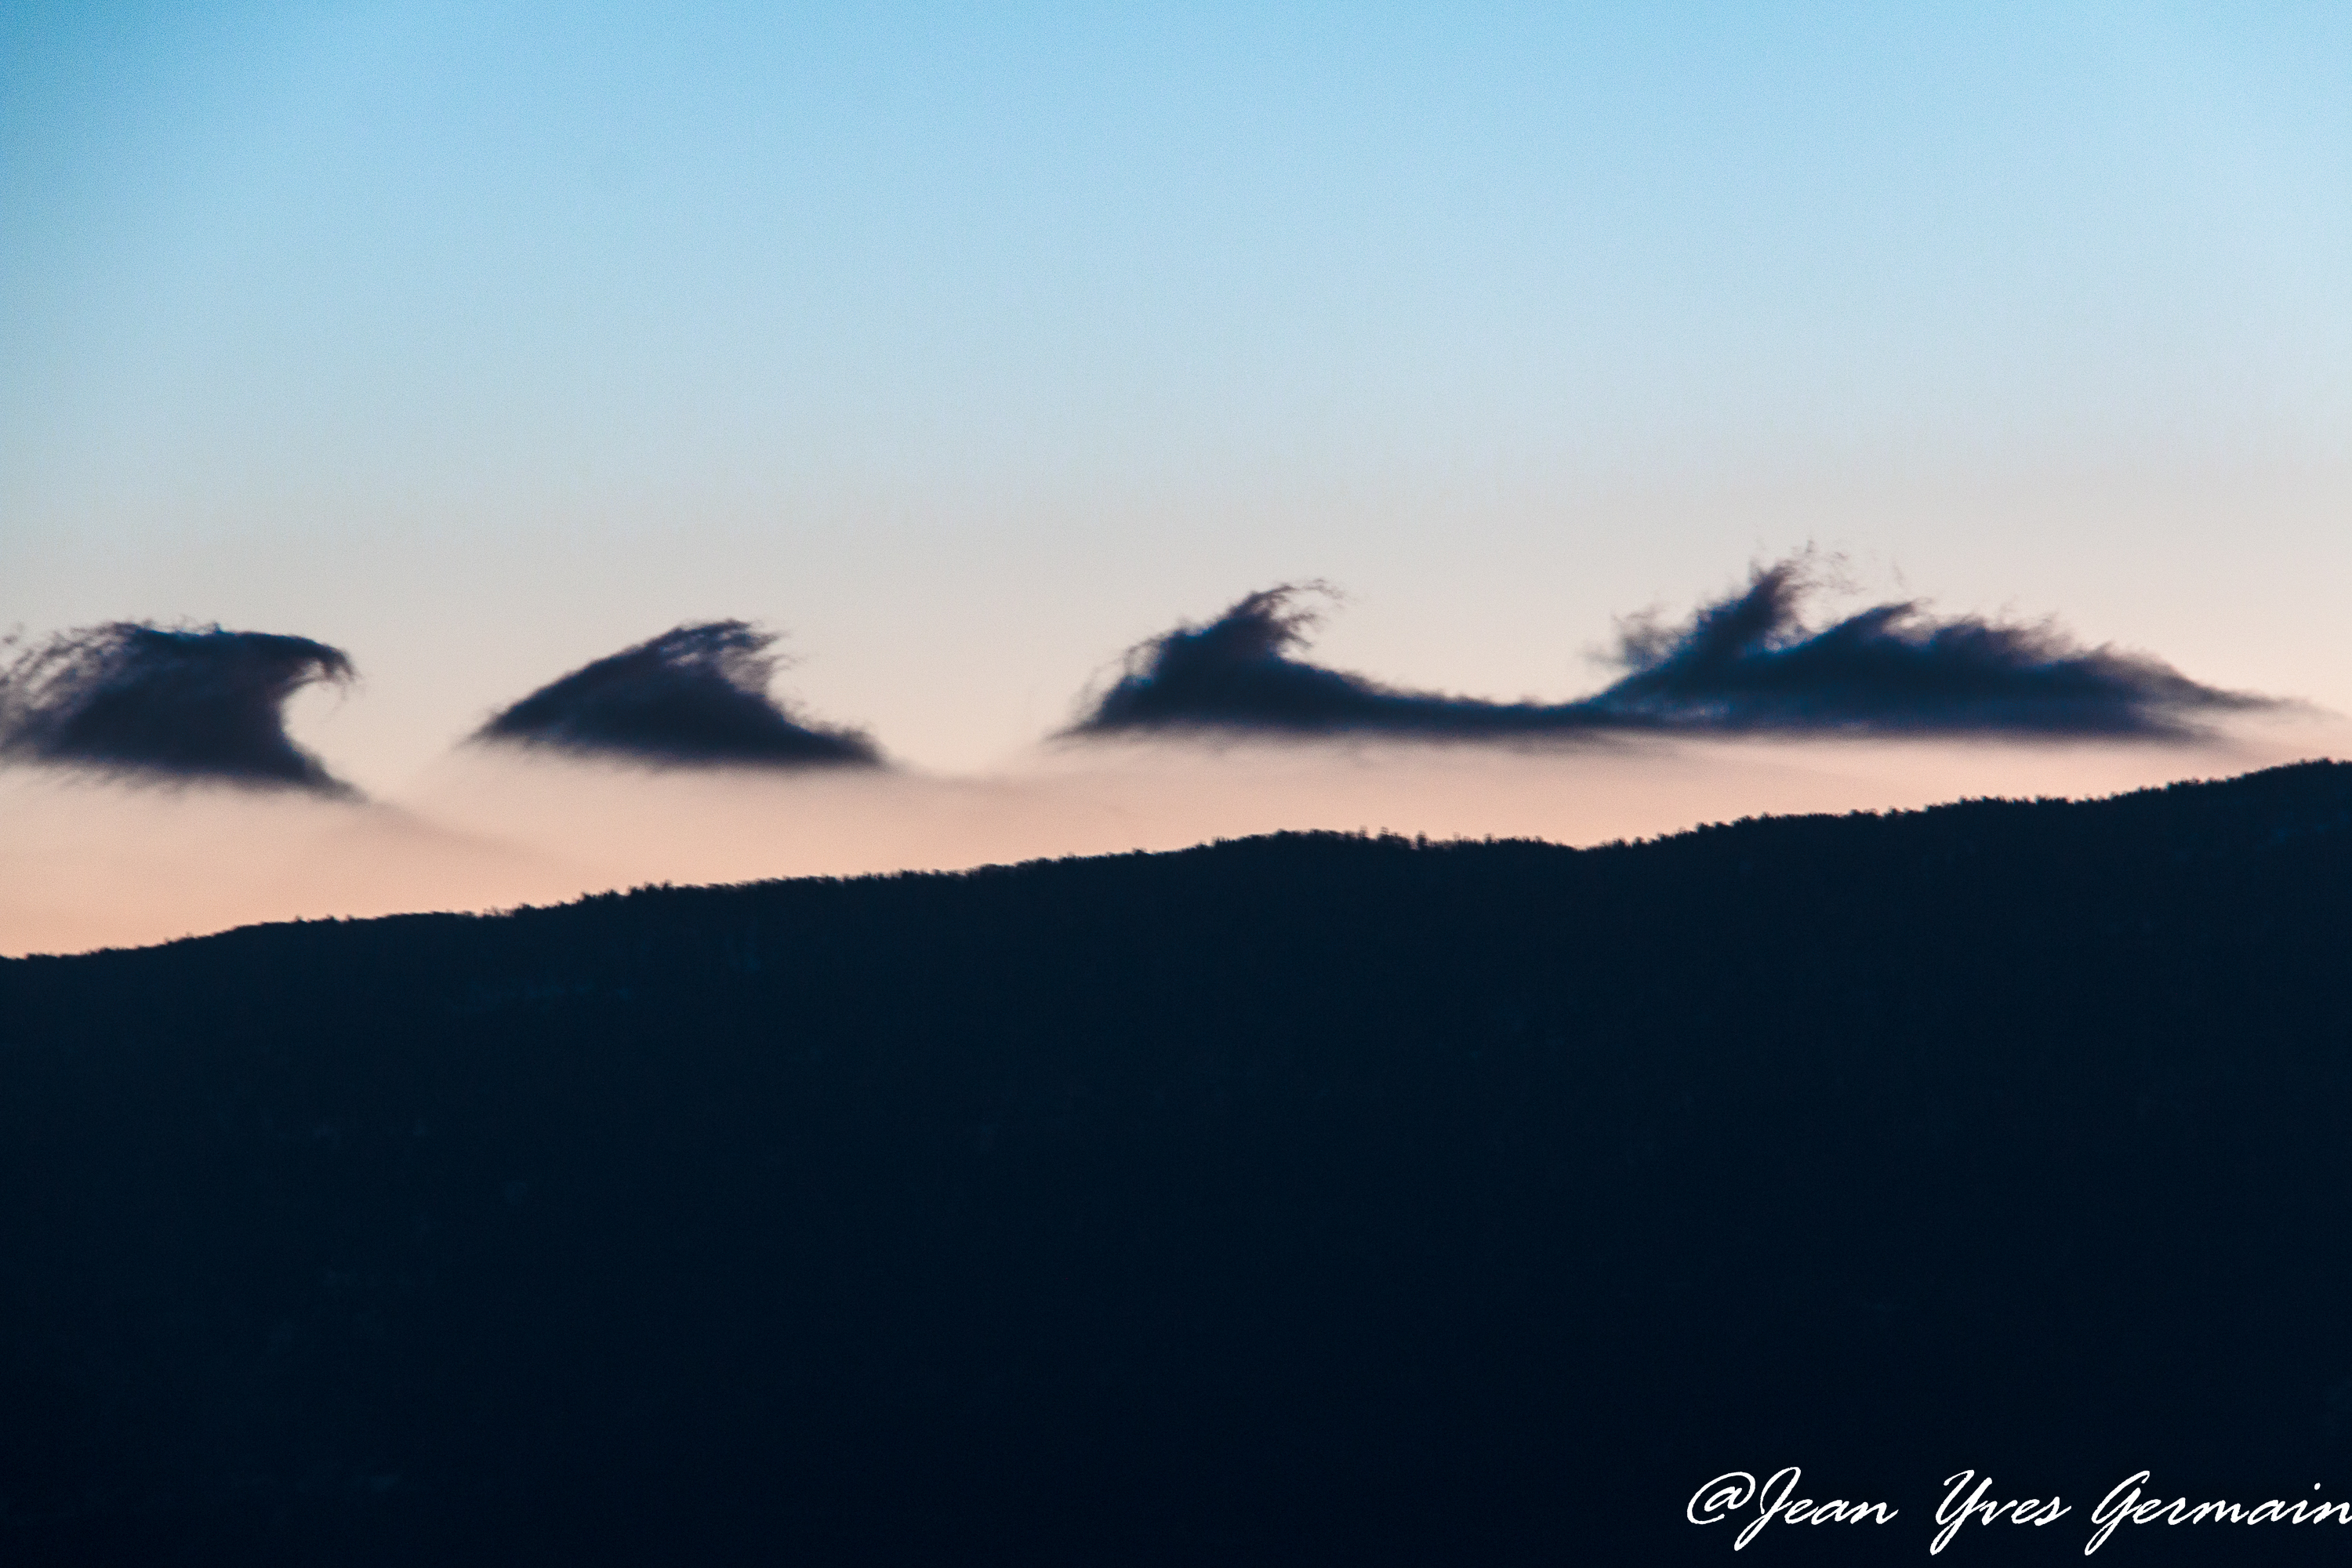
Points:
86	865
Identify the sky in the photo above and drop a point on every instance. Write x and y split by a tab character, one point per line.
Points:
970	347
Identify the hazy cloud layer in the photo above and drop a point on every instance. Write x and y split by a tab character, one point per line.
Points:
696	695
181	703
1746	664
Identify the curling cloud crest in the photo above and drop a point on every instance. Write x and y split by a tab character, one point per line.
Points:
1746	664
694	695
174	703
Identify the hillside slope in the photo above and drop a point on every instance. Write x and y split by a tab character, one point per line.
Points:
1303	1199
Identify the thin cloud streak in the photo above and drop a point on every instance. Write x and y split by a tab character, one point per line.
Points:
696	696
1747	664
170	704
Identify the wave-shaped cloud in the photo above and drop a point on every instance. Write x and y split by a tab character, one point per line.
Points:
178	703
1746	663
695	696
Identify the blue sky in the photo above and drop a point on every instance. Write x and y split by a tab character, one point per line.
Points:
973	345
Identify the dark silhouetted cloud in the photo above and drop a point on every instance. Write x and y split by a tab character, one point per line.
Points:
696	695
1237	673
1749	662
1746	664
167	702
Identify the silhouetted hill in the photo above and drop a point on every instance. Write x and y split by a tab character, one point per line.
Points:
1296	1200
